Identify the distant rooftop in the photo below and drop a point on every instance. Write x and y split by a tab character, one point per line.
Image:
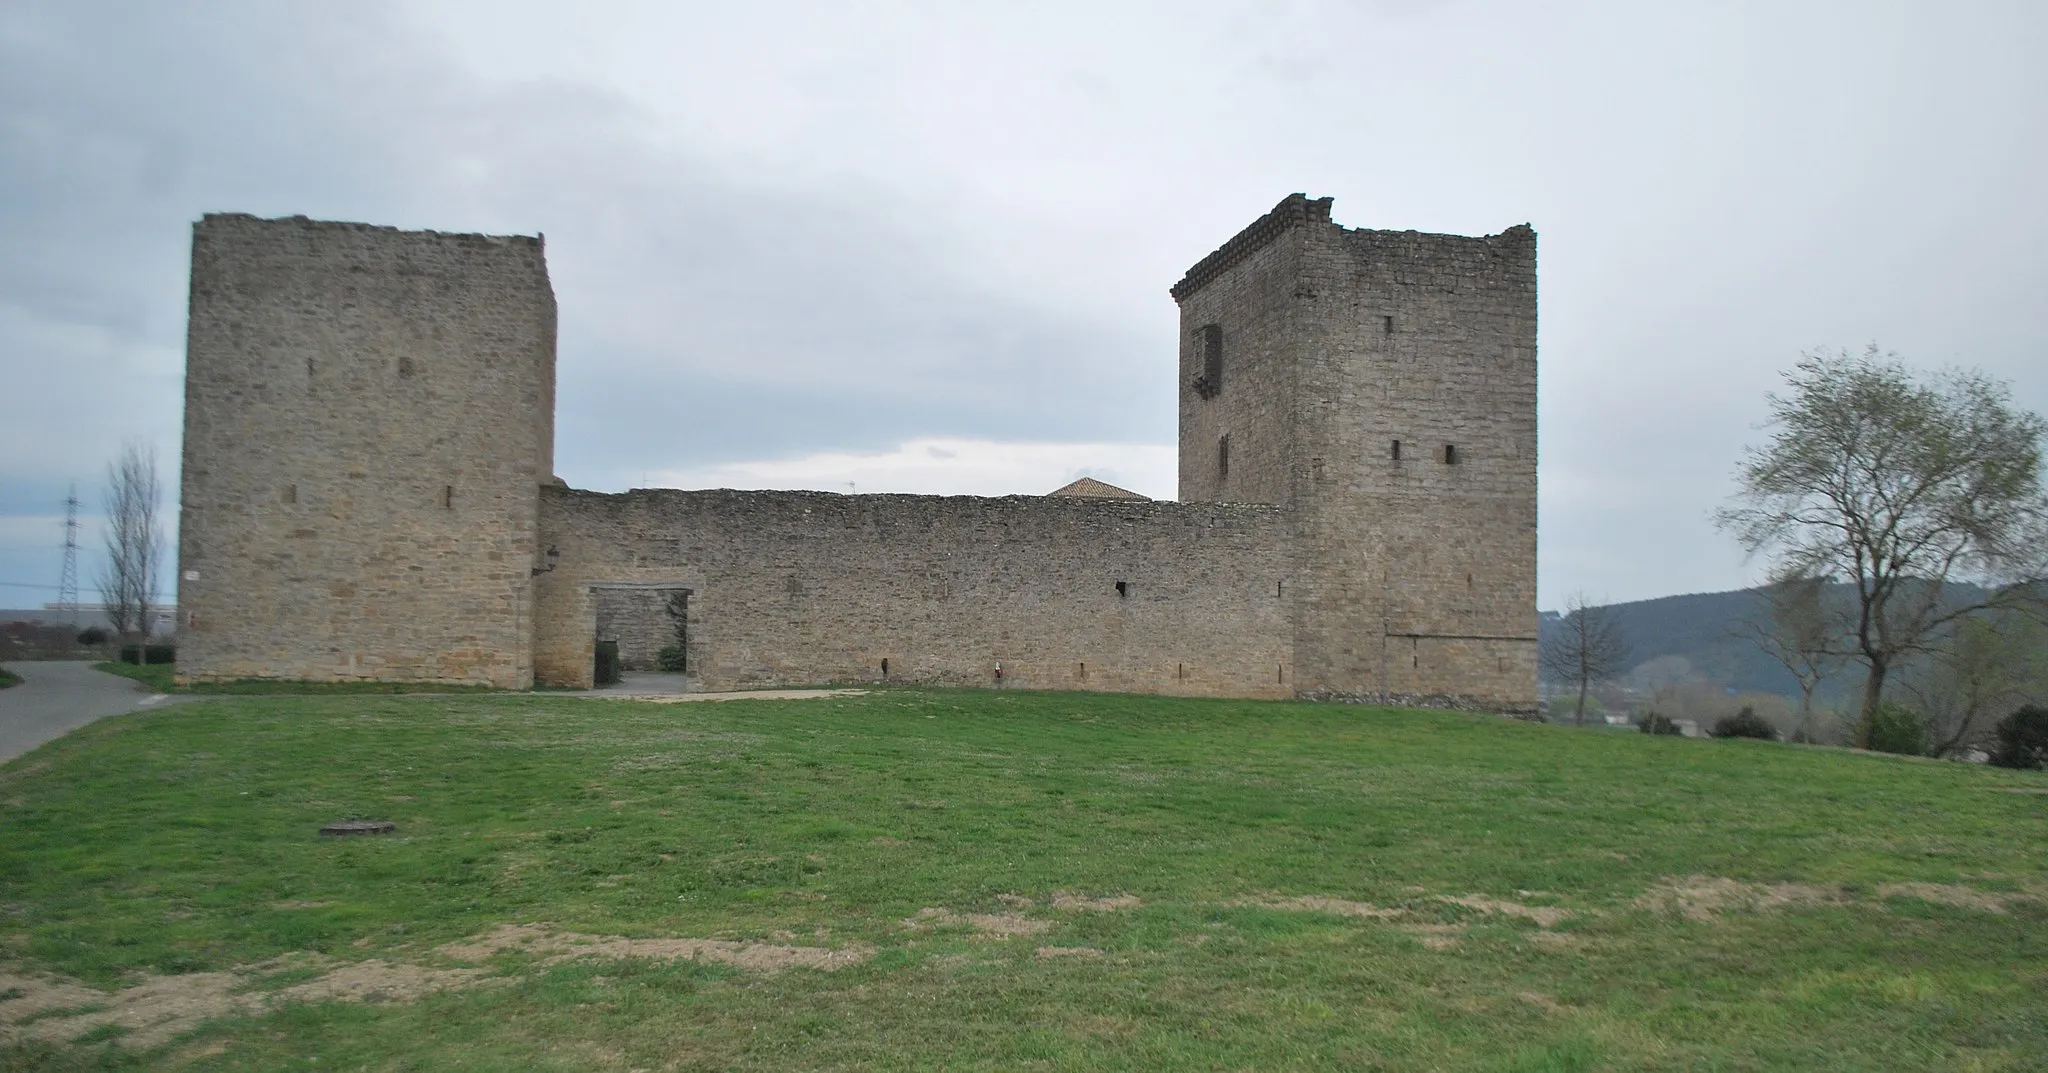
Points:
1090	488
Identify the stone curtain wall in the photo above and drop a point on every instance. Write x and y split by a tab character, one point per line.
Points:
1417	574
637	618
368	416
799	588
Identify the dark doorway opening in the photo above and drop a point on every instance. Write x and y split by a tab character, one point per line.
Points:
648	622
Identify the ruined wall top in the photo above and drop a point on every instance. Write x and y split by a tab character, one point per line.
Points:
1300	210
1293	211
217	219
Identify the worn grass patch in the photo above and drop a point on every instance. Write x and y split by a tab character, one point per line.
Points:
1002	880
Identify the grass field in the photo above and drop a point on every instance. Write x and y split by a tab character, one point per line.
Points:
159	676
973	880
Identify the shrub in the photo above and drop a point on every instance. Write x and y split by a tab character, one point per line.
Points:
1895	728
1652	723
1746	724
2022	740
670	659
92	635
141	654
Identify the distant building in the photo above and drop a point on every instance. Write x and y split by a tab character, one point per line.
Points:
1090	488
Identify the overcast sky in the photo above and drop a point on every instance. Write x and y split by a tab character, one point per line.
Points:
926	246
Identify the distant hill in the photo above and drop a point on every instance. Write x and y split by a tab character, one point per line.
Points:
1706	628
1703	627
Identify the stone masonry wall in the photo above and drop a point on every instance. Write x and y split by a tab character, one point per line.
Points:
799	588
1415	575
1447	570
368	415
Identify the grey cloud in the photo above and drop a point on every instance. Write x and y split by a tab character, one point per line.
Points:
972	213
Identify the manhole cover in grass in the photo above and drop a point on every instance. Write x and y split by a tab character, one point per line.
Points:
360	827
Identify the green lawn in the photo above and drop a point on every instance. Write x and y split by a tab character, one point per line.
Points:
974	880
159	676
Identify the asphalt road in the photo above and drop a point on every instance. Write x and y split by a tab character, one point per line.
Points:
55	699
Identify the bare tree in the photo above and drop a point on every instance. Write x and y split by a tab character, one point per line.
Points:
135	545
1587	648
1792	625
1983	669
1898	488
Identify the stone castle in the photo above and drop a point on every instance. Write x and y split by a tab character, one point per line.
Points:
369	493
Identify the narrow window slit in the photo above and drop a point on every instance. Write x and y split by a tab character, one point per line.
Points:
1123	588
1397	450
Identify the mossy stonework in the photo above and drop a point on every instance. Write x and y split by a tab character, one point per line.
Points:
369	495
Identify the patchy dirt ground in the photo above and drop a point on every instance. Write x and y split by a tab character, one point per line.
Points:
1705	898
157	1009
987	925
552	947
1548	916
1066	900
1318	903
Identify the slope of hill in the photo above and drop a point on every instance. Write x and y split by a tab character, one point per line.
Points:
1707	629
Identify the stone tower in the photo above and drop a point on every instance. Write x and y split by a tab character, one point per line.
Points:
1381	385
369	414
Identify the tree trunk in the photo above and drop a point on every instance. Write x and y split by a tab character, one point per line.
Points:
1873	694
1579	716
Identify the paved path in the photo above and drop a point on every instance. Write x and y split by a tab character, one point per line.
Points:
57	698
678	688
755	694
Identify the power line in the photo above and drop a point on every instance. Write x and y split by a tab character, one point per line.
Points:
67	582
165	597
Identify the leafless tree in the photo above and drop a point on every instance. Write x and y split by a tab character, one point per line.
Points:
1984	668
1898	488
1588	648
135	545
1792	625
